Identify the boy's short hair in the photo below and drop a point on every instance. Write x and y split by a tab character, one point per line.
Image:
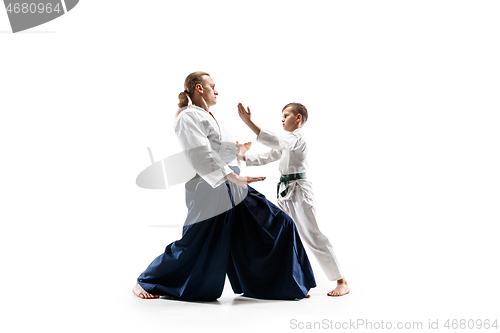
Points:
297	108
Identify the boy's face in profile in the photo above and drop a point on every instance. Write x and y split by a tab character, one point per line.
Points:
290	121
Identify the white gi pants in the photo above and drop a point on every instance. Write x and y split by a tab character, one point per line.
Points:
298	203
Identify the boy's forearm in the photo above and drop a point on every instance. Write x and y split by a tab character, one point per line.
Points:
263	158
253	127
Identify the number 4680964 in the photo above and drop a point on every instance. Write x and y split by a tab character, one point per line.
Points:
470	324
32	8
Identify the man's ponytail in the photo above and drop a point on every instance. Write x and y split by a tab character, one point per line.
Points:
183	99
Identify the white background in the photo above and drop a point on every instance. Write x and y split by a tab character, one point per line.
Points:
404	122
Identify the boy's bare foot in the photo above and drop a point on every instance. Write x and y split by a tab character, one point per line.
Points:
141	293
341	289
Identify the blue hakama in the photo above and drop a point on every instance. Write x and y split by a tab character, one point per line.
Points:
255	243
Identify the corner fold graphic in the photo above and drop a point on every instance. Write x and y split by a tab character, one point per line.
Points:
70	4
25	15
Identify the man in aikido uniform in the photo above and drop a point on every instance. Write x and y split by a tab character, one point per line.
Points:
230	229
295	193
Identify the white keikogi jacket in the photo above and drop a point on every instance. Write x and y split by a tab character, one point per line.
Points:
207	144
290	149
211	151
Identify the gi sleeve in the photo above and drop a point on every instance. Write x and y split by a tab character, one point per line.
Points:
194	142
263	158
288	141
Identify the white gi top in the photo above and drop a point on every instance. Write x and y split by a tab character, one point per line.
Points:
208	146
291	148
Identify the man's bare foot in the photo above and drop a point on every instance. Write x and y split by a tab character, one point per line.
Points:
141	293
341	289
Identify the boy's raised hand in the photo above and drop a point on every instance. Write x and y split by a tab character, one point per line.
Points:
245	115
